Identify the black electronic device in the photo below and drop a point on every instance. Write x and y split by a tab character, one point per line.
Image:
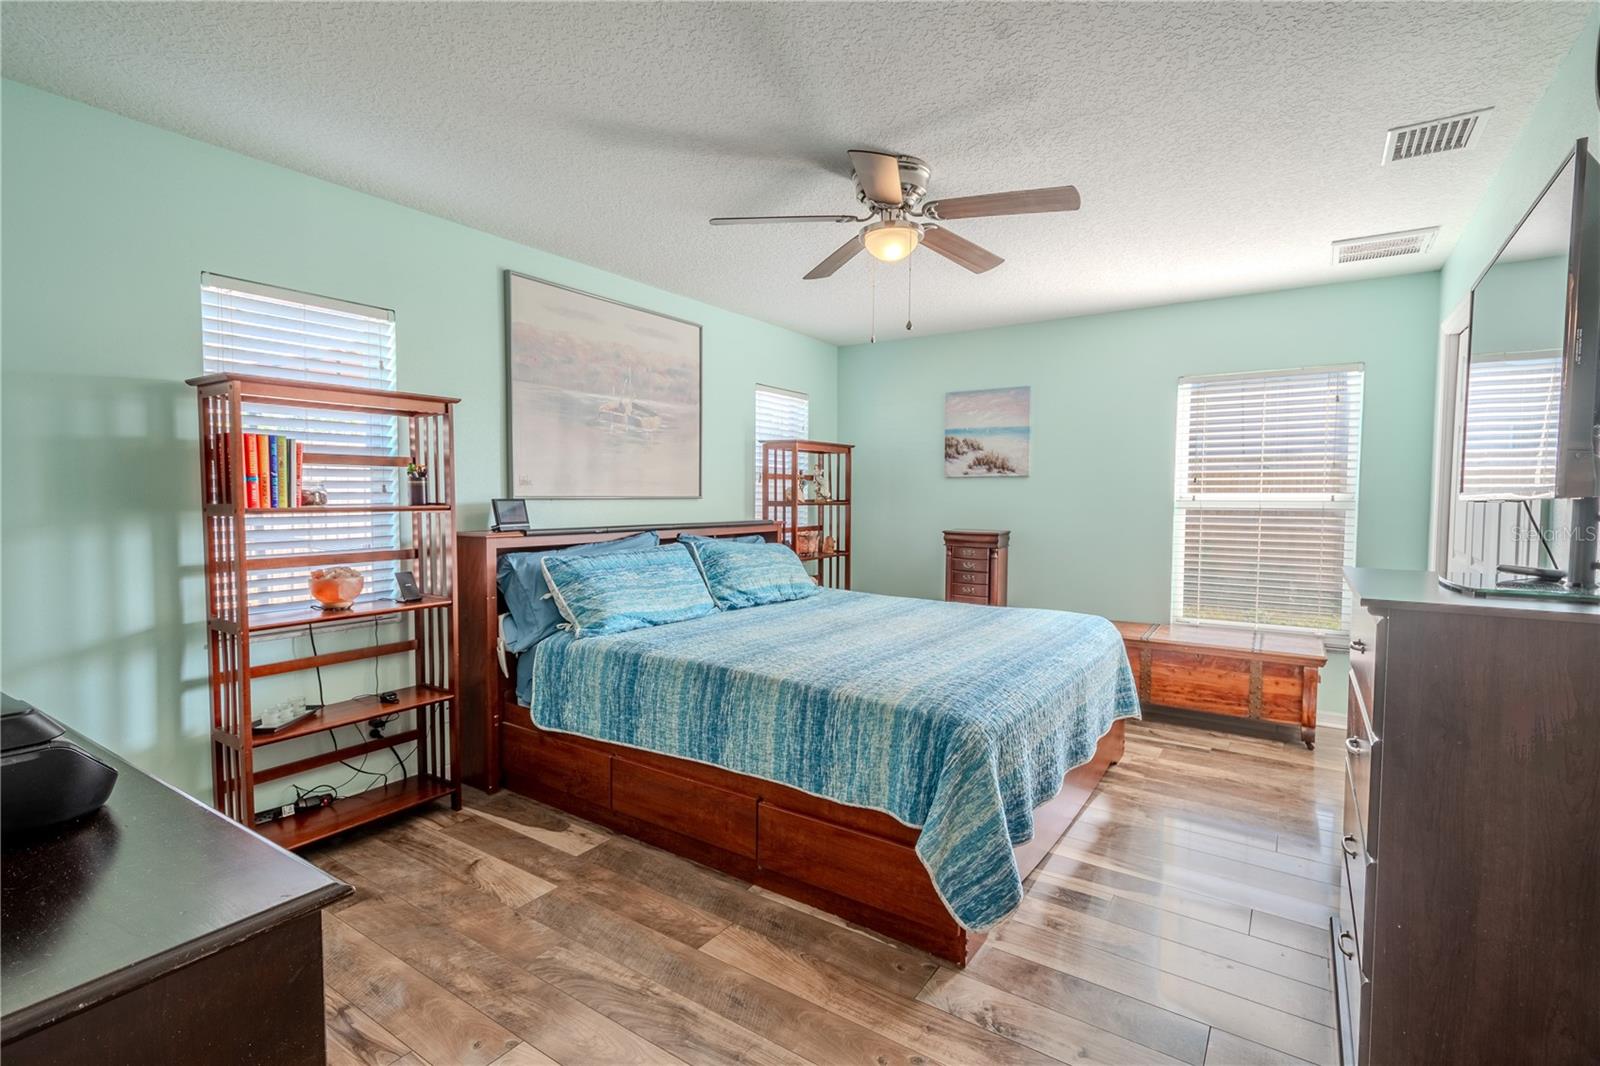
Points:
389	697
406	589
1541	572
510	516
45	779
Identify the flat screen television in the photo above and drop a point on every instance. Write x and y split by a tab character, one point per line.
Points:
1531	428
1531	414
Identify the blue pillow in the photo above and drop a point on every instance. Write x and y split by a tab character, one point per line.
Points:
619	591
749	575
534	615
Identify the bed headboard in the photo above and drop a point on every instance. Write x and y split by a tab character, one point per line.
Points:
484	691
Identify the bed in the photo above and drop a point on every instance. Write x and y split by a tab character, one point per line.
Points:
901	763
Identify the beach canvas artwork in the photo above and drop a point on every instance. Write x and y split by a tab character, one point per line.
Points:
986	432
604	398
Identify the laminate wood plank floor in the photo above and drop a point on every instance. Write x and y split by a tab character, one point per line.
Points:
1182	919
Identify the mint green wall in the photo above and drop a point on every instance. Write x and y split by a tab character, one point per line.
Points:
107	225
1566	112
1092	526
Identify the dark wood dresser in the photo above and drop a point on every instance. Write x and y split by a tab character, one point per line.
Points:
157	931
1469	928
975	565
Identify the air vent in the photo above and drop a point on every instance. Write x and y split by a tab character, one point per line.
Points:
1451	134
1384	245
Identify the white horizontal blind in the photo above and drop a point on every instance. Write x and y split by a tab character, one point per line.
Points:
255	329
1509	432
1265	497
780	415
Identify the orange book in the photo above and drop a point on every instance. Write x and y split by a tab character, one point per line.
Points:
294	469
252	472
263	469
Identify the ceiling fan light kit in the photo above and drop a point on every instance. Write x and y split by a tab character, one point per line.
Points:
891	240
893	187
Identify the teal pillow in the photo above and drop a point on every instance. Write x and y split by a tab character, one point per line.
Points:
749	575
619	591
534	615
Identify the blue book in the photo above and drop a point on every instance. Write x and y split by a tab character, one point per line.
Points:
272	462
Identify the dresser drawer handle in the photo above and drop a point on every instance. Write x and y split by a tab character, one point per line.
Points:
1354	746
1350	845
1350	951
968	565
1358	645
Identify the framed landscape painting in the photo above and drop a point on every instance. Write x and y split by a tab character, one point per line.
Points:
986	432
603	399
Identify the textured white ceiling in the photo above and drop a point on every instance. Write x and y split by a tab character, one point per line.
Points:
1219	148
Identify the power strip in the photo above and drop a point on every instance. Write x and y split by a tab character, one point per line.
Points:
273	814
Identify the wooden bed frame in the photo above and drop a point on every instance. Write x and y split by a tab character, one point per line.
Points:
854	862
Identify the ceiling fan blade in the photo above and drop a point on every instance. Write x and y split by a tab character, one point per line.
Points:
959	250
750	220
1022	202
841	255
879	176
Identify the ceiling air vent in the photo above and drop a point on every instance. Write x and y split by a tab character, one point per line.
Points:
1384	245
1438	135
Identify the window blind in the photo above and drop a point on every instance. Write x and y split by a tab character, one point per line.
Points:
248	328
1508	447
780	415
1265	498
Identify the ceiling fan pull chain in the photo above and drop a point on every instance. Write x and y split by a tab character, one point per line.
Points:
908	294
872	330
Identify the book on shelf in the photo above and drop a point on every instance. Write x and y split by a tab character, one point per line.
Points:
252	472
263	473
272	470
273	477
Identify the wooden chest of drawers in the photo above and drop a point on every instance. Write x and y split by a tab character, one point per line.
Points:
975	565
1469	919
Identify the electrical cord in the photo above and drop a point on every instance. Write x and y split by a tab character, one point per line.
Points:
1540	530
375	731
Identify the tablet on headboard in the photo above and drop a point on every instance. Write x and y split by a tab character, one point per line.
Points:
510	515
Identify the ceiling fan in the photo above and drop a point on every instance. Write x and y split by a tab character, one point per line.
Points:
893	187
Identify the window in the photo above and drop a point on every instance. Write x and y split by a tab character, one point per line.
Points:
1509	428
1265	515
780	415
256	329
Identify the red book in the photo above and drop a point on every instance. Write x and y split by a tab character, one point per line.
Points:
252	472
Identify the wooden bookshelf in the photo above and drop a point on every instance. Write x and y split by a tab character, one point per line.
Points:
789	471
427	427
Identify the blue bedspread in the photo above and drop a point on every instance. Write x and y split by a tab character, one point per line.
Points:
955	718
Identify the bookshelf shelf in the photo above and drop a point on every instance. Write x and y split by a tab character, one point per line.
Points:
428	709
360	709
377	508
363	807
789	470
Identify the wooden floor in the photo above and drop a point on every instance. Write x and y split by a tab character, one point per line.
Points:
1182	919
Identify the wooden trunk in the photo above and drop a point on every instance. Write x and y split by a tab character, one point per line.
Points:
1270	677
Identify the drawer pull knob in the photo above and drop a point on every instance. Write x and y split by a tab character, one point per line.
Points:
1345	939
1354	746
1350	845
1358	645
